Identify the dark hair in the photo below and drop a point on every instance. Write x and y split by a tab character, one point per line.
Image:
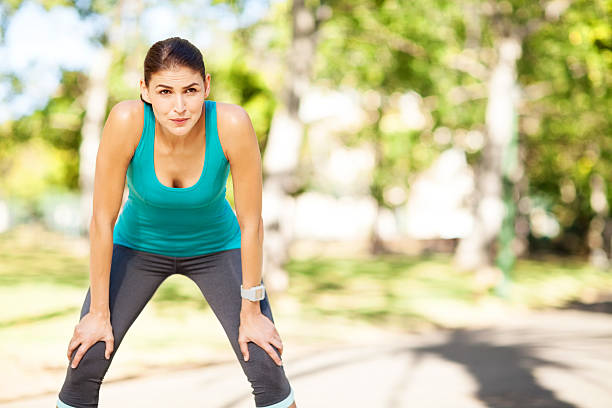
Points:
172	53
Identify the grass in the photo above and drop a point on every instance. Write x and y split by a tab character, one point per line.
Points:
406	292
45	280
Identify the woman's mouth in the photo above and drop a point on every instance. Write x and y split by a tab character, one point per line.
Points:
180	121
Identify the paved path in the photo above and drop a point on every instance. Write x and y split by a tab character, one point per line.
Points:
550	359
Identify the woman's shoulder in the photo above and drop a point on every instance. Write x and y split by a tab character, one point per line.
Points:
126	119
231	114
128	113
233	124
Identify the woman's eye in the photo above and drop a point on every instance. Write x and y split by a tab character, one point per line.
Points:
166	91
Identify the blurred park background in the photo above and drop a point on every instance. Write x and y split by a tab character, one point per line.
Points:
429	167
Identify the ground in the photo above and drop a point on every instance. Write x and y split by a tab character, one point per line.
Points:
552	358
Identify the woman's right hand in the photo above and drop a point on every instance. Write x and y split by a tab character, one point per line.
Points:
92	328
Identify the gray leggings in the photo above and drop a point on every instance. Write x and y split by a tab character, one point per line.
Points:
134	277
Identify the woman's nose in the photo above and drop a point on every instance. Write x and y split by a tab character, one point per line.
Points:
179	104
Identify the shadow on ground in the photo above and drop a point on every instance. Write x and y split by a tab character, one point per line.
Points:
597	307
504	374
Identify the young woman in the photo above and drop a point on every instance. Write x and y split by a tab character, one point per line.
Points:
175	148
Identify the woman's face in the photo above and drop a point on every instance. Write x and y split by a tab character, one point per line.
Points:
177	96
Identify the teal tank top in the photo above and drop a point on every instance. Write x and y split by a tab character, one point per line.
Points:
178	221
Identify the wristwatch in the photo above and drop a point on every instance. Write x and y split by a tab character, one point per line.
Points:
254	294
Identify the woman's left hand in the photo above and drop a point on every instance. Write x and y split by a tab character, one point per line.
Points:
258	328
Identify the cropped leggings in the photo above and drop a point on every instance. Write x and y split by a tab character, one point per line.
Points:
134	277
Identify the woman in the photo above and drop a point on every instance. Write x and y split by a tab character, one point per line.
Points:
175	148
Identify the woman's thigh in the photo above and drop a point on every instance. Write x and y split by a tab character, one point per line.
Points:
134	278
219	276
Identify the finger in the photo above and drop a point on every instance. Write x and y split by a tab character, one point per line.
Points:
276	335
74	343
278	344
78	356
273	354
109	348
244	349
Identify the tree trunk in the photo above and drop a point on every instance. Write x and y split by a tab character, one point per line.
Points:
281	157
96	97
597	228
376	243
476	251
123	30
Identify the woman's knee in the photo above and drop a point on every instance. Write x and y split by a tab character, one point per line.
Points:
267	379
92	366
81	387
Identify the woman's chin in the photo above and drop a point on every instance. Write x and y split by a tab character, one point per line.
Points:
180	130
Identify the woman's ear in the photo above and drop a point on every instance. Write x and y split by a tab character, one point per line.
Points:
144	92
206	86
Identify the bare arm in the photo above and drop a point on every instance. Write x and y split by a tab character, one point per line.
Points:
245	161
116	149
114	155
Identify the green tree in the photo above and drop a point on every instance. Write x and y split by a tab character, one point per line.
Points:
566	123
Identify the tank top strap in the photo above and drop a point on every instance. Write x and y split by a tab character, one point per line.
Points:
148	127
212	133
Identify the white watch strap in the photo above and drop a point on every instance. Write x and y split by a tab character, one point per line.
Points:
255	293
